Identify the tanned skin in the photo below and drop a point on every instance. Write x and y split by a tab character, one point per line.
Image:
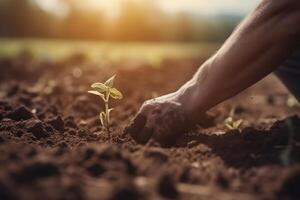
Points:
255	49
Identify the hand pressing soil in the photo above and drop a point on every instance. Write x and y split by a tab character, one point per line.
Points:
162	119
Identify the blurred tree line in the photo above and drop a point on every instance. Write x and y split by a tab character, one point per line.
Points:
136	21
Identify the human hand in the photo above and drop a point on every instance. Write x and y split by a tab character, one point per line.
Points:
163	119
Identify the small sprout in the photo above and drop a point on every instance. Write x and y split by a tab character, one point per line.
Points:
105	91
232	124
292	102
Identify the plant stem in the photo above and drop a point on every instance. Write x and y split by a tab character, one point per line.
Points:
107	114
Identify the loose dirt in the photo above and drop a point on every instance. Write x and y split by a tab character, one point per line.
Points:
52	146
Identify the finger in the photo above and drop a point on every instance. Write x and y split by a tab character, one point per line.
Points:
136	125
165	136
170	127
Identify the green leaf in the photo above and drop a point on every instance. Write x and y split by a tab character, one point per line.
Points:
110	82
292	102
229	126
96	93
100	87
228	120
116	94
237	123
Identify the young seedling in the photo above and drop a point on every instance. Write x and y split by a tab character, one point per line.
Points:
232	124
105	91
292	102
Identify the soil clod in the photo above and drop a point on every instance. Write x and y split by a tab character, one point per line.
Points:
57	123
166	187
37	128
35	170
21	113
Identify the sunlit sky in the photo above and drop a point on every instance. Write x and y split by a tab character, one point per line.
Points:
210	7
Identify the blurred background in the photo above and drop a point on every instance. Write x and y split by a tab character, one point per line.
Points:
202	24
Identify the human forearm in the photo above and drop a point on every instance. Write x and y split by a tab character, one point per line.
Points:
255	49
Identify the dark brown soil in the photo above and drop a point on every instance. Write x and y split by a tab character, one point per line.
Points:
52	146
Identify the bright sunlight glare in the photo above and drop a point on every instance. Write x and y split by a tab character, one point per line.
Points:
112	7
208	7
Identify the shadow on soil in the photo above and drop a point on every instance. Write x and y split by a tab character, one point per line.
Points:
252	147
